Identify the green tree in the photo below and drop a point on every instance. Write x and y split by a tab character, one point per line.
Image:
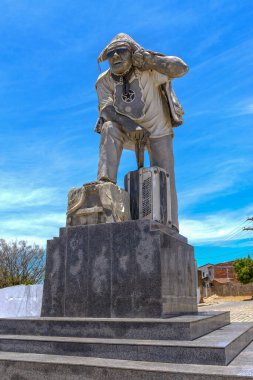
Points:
21	263
244	270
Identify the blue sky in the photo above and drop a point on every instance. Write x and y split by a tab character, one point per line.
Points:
48	108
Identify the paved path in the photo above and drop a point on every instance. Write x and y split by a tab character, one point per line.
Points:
241	311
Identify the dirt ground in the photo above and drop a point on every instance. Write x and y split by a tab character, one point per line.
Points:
219	300
240	308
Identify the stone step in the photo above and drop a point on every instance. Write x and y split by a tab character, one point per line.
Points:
187	327
245	357
54	367
216	348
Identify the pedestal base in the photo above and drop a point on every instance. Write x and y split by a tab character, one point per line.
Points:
130	269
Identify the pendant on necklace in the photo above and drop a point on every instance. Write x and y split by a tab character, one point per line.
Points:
129	97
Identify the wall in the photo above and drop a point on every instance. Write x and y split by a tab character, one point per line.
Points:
21	301
232	289
224	270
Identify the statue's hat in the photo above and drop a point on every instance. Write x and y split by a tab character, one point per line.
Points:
120	39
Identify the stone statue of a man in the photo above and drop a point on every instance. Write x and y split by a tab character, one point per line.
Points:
136	91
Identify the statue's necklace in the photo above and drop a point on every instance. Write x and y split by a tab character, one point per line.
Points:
124	80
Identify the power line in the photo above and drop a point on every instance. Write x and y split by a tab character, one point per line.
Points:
236	234
248	228
236	231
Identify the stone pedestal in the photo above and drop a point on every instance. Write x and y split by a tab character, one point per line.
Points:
130	269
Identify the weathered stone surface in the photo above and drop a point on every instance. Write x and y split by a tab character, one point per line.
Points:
217	348
97	202
55	367
119	270
54	286
183	327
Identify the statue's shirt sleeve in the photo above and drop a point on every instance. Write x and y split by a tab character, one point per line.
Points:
105	90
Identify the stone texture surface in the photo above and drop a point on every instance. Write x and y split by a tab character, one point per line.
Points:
96	203
217	348
39	356
119	270
54	285
186	327
54	367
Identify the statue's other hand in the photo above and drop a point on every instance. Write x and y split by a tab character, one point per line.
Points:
140	58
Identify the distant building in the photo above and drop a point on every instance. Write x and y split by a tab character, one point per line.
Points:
206	279
221	279
224	272
207	274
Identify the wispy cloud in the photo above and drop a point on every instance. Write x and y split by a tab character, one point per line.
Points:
33	227
243	107
228	179
12	199
232	55
223	228
239	108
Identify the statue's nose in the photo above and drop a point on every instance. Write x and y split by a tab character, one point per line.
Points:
115	54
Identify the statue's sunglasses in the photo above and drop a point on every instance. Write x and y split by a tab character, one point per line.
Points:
119	51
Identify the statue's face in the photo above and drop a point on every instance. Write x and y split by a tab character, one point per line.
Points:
120	60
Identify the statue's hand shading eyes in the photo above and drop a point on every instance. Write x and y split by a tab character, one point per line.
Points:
140	58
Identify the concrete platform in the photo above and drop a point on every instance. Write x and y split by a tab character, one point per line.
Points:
187	327
216	348
53	367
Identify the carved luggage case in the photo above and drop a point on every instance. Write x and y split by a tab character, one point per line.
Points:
150	198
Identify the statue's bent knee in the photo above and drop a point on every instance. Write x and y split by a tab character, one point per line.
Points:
110	128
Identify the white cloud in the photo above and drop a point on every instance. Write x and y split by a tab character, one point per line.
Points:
228	177
245	107
222	228
11	198
35	228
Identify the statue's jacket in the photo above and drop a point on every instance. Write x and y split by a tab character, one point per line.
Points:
150	102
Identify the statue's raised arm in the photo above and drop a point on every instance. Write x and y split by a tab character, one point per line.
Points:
173	67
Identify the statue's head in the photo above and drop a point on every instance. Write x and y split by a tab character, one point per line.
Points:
120	60
119	53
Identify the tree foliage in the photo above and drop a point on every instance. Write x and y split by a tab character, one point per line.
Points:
21	263
244	270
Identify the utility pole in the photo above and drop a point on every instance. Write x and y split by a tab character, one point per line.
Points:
248	228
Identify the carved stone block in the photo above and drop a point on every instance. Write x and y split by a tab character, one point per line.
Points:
96	203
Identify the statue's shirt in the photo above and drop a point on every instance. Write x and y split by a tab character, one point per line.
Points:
132	103
144	102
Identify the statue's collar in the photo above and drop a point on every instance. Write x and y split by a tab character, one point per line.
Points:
123	79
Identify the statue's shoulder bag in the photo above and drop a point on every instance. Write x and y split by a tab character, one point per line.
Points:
175	108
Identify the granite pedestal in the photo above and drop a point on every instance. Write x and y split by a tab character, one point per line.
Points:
129	269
